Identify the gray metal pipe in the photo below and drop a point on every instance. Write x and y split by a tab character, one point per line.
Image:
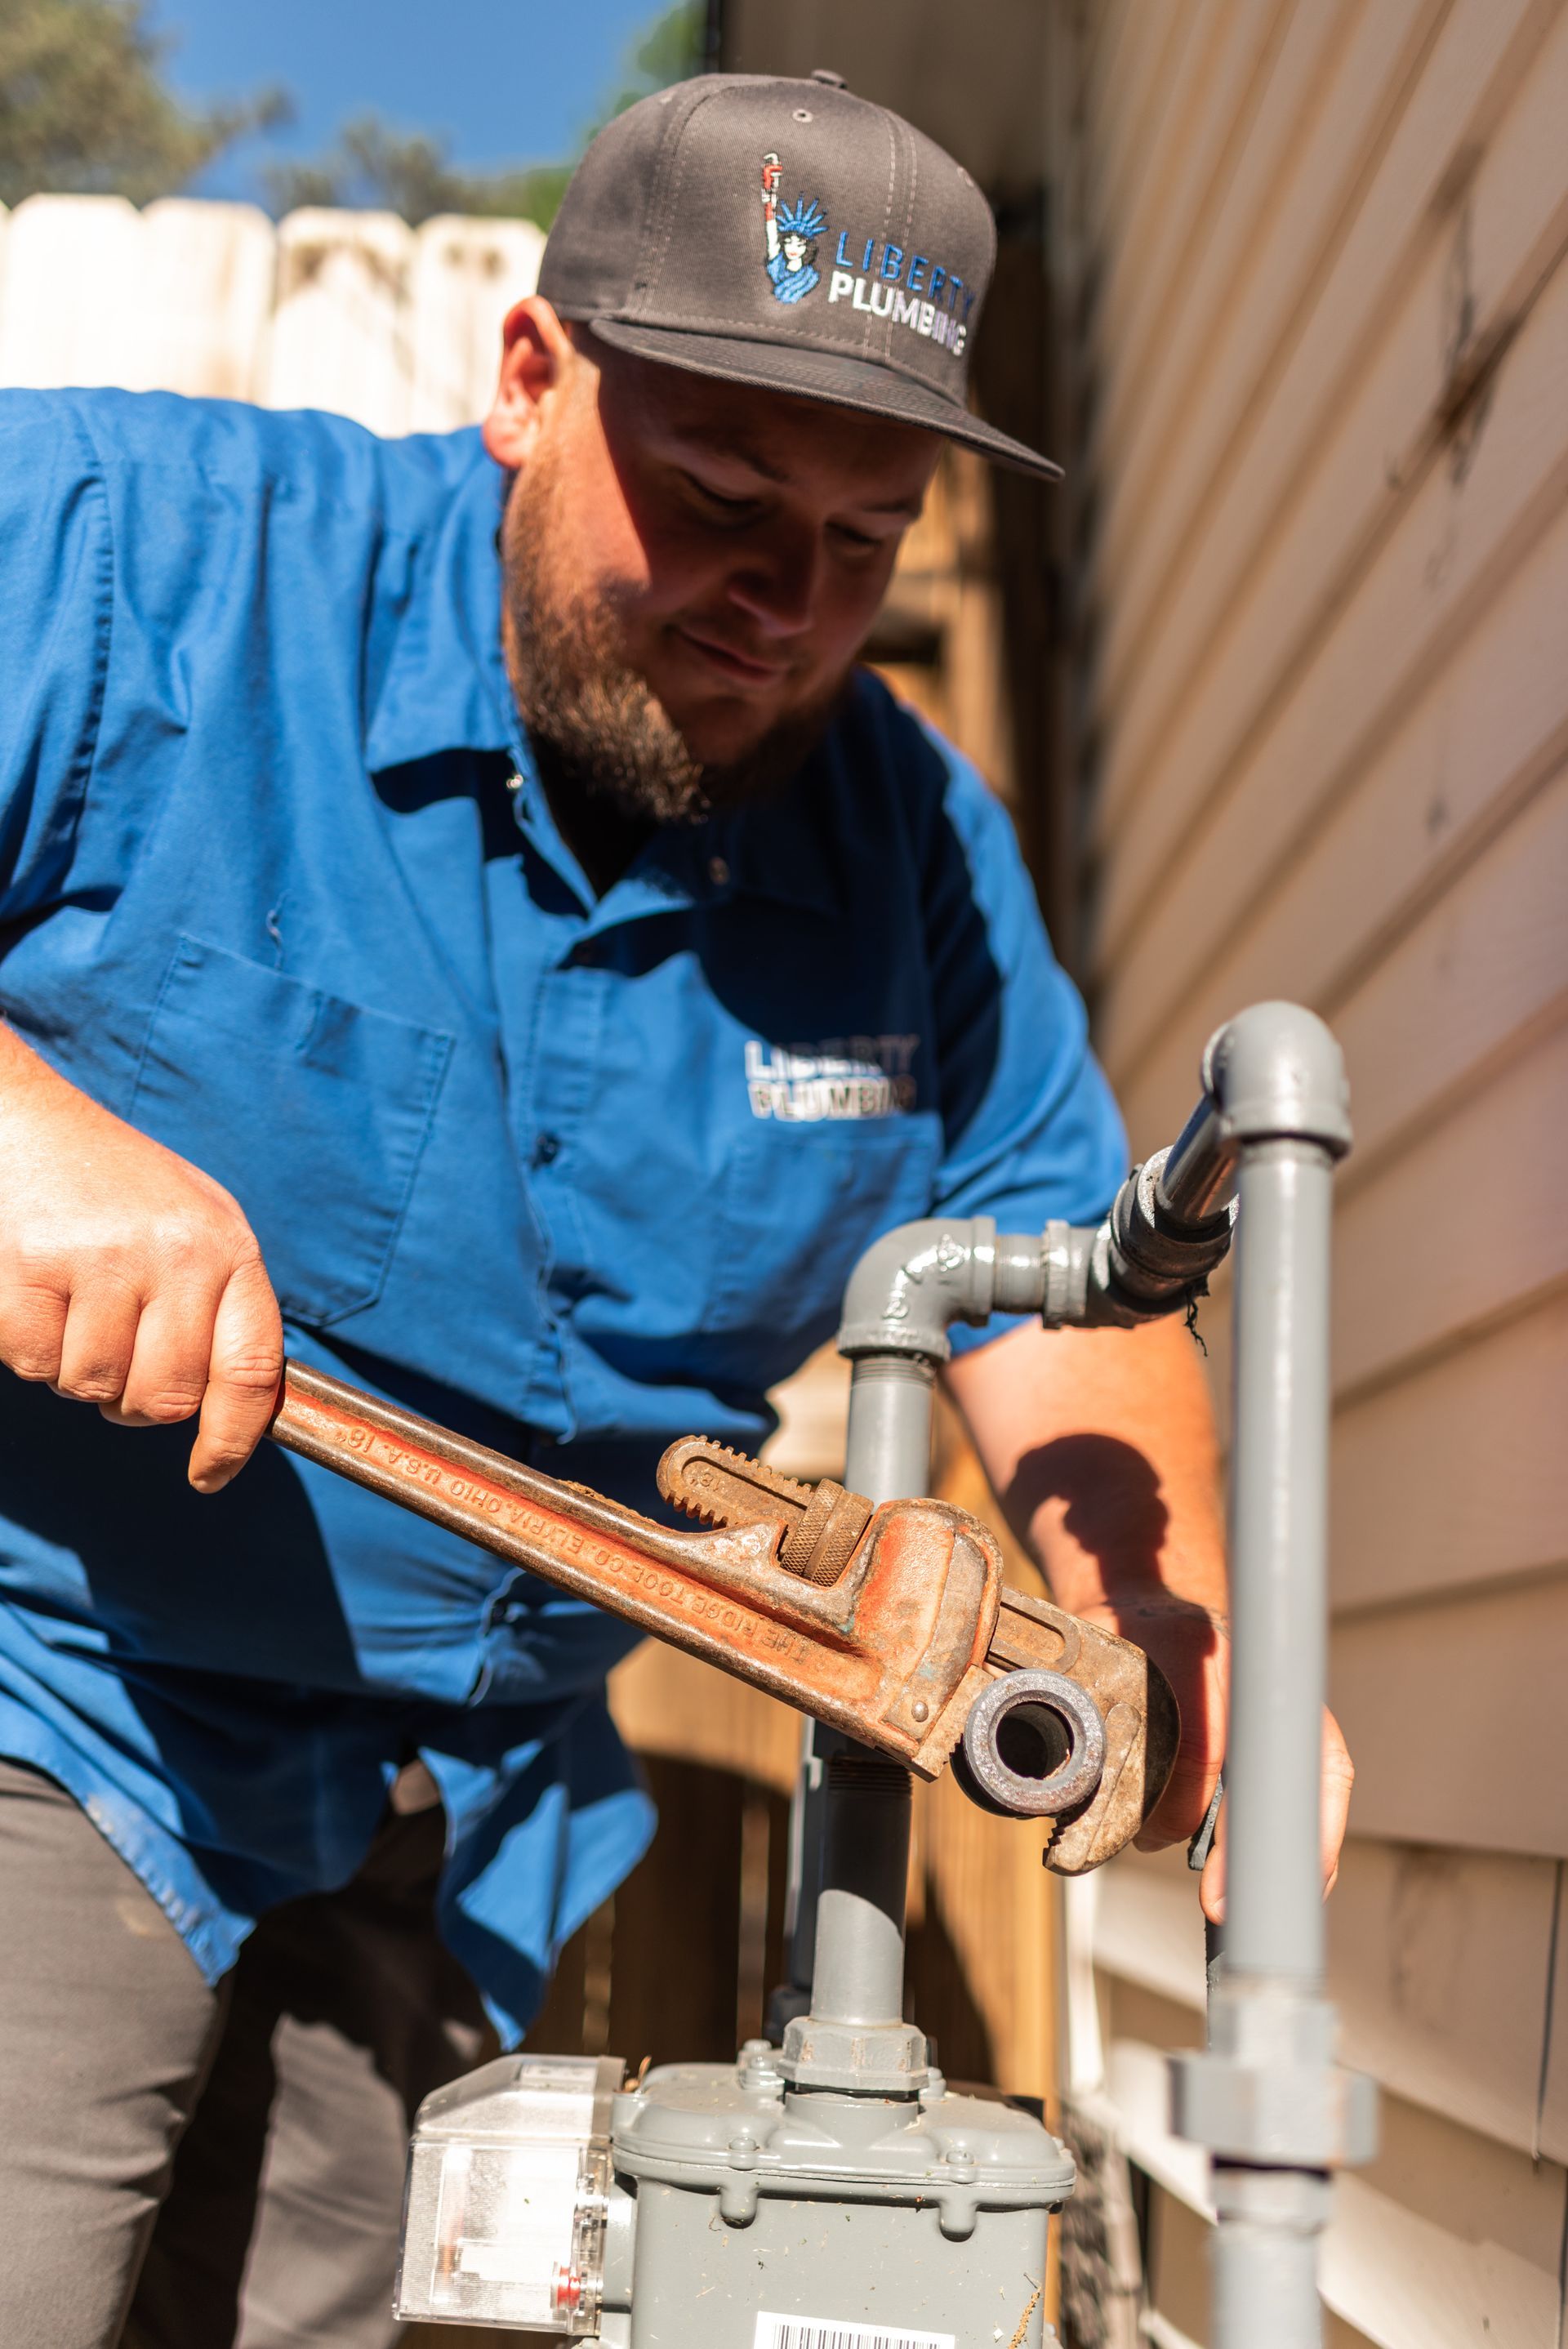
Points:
1274	1908
1200	1169
858	1974
888	1452
855	1917
1265	2096
1265	2259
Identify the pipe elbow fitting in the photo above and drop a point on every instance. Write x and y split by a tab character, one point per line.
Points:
910	1285
1275	1072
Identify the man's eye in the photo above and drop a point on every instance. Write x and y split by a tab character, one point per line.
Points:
716	500
859	542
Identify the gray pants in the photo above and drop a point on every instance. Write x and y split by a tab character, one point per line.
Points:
183	2167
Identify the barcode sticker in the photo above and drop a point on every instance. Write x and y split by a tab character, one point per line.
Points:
827	2332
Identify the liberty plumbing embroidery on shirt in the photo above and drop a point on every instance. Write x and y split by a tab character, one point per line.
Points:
843	1077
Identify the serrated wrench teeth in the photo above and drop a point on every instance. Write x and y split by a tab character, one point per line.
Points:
821	1523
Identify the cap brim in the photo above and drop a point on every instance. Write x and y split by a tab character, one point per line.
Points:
834	377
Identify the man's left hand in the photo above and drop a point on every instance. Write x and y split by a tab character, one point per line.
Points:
1192	1648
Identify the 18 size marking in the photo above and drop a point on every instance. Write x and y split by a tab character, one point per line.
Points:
826	2332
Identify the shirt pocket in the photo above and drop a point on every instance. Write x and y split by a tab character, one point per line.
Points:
312	1111
800	1203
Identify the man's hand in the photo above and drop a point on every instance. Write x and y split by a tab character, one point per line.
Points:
128	1278
1101	1445
1192	1648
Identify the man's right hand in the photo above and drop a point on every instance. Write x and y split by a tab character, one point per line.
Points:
128	1278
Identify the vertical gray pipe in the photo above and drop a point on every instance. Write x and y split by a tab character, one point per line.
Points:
858	1972
1265	2258
1273	1905
888	1449
1265	2245
857	1928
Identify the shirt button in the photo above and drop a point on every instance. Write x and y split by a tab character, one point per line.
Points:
718	871
546	1148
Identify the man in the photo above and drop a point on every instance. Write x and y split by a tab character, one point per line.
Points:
465	919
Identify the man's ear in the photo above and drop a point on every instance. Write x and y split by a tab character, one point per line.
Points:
536	356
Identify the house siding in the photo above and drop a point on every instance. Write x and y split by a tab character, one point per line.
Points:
1316	252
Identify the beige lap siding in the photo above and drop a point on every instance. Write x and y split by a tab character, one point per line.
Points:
1323	252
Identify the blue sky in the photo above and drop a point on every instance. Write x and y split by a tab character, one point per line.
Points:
508	81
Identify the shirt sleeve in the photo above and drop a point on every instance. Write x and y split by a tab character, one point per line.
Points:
1031	1131
56	601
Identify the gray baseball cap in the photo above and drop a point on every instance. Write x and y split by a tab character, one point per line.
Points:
788	235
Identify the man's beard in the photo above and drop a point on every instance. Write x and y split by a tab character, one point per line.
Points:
590	716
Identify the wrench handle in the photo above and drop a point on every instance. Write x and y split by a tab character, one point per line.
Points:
721	1594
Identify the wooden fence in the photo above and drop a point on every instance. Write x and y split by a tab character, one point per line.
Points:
352	312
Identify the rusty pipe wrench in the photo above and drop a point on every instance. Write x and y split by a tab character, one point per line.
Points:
891	1624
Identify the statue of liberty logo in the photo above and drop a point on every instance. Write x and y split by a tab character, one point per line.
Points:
791	231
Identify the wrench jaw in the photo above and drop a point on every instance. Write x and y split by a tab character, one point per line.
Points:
933	1594
1137	1709
899	1641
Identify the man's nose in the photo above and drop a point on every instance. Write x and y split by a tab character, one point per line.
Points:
775	585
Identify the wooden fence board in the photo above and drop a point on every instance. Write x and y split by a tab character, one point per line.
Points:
206	298
73	272
467	275
341	331
668	1703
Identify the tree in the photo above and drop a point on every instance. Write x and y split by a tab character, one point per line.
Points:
83	107
411	174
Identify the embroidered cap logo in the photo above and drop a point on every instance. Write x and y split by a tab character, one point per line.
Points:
790	236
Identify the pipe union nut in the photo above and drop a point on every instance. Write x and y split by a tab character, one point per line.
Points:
1036	1717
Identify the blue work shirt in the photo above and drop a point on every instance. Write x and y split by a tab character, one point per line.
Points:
279	885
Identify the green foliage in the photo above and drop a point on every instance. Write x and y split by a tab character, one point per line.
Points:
83	107
670	50
372	164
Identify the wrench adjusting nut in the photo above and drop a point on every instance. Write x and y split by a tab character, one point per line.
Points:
1035	1745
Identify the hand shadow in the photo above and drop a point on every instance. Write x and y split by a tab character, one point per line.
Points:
1116	1513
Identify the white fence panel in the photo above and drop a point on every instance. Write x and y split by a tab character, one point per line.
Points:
68	307
467	275
351	312
206	298
341	326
